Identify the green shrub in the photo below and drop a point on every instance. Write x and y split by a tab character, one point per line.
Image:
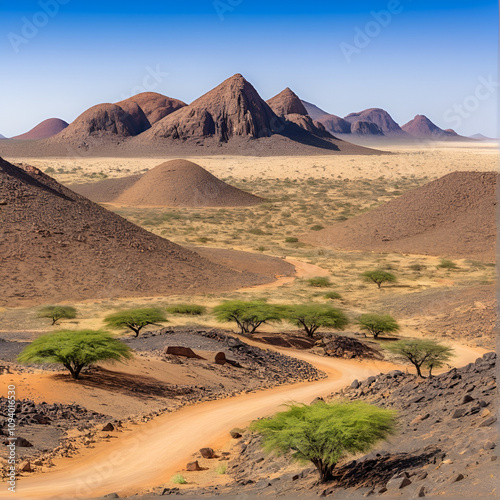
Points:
291	240
188	309
332	295
221	469
379	276
319	282
178	479
256	231
135	319
317	227
447	264
55	313
325	433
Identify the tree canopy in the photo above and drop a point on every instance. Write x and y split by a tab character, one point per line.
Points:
247	315
378	323
423	352
135	319
313	316
324	433
75	349
55	313
378	276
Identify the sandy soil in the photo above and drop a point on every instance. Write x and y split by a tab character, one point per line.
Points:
435	161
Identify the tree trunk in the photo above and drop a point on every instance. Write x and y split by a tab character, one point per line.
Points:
379	284
419	372
136	330
324	470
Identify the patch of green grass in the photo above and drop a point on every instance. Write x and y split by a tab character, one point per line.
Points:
221	469
447	264
317	227
291	240
178	479
332	295
319	282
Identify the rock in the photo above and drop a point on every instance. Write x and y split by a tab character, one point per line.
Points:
236	433
22	443
489	445
355	384
421	475
207	453
182	351
421	492
317	400
467	399
220	358
460	412
193	466
111	495
457	478
41	419
25	467
419	418
485	413
398	482
370	380
489	421
108	427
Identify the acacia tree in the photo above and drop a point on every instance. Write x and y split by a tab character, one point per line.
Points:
247	315
324	433
378	276
135	319
75	349
422	353
377	324
55	313
313	316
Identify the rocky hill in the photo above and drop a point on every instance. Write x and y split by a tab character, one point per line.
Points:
45	129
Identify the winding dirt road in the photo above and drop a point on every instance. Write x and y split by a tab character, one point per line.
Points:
149	454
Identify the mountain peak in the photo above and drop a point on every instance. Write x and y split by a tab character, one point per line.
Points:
287	102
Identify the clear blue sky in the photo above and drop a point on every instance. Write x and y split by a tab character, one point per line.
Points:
430	57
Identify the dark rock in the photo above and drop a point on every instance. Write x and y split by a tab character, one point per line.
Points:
457	478
489	421
421	492
182	351
108	427
489	445
421	475
355	384
193	466
460	412
207	453
467	399
220	358
236	433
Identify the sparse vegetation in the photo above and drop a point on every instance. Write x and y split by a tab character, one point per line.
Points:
325	433
313	316
422	353
178	479
317	227
75	350
188	309
377	324
291	240
319	282
248	315
55	313
332	296
135	319
447	264
221	469
379	276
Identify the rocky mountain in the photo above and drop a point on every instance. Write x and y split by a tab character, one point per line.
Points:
422	128
286	103
379	117
45	129
365	128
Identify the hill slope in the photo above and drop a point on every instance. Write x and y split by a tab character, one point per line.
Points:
45	129
422	128
59	246
181	183
379	117
453	216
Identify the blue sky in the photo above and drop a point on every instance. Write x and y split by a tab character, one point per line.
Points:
437	58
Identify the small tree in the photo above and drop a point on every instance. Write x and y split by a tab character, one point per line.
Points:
422	353
325	433
75	349
377	324
312	316
55	313
379	276
135	319
248	315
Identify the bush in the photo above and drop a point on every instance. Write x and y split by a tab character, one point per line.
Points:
291	240
221	469
332	295
319	282
325	433
256	231
55	313
317	227
75	349
178	479
135	319
447	264
189	309
417	267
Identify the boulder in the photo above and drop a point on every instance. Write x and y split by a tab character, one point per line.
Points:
182	351
207	453
25	467
193	466
108	427
236	433
220	358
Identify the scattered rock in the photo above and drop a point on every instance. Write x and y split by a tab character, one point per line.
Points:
236	433
207	453
193	466
355	384
459	412
457	478
108	427
25	467
489	421
182	351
